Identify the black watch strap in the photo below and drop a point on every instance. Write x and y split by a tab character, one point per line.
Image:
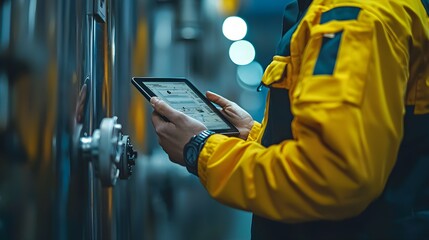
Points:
192	150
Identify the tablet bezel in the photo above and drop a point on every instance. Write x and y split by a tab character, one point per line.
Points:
139	83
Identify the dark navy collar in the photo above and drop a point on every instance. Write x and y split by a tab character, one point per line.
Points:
303	4
294	11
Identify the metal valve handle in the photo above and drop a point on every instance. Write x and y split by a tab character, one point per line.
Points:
111	152
128	159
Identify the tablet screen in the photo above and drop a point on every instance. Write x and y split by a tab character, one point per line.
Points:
181	95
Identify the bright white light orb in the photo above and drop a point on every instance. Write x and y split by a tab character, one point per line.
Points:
234	28
242	52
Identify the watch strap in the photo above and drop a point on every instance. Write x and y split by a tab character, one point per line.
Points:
197	142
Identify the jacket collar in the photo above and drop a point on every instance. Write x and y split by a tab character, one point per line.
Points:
303	4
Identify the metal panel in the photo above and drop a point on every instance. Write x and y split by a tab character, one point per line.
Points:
48	50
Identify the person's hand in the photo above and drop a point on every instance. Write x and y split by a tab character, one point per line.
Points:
234	113
174	133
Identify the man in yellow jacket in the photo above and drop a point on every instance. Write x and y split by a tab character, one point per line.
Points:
343	150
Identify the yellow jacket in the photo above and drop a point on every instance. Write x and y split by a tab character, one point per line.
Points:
348	110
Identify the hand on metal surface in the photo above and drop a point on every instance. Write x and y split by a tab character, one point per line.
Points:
80	106
174	129
241	119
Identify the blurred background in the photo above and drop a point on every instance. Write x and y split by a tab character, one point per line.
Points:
78	156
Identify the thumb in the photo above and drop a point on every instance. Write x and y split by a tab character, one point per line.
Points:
163	109
218	99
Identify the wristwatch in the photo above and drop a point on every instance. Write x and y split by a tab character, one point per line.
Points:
192	150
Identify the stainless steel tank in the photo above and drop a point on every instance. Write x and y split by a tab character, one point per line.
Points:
62	150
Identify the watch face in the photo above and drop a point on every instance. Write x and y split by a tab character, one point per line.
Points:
191	156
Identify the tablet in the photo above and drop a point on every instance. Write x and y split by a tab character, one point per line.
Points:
183	96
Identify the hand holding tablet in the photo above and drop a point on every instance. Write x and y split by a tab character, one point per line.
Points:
181	95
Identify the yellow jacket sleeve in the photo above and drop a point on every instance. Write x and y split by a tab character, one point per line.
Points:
347	124
254	132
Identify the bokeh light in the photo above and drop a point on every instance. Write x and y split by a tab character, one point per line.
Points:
234	28
250	75
242	52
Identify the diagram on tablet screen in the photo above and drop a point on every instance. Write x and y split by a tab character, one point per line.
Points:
181	97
